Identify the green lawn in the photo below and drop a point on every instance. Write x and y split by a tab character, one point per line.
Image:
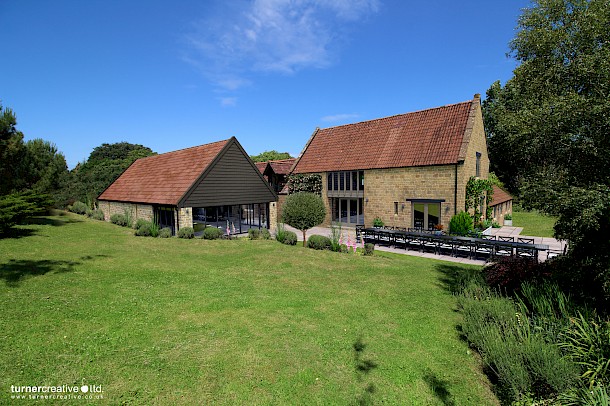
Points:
534	223
170	321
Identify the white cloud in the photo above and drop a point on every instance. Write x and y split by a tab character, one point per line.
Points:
232	83
339	117
351	9
272	36
228	101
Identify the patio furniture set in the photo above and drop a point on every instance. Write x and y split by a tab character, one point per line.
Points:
486	248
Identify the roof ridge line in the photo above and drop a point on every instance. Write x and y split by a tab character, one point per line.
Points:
184	149
400	114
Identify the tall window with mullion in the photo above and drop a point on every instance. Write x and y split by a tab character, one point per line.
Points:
345	181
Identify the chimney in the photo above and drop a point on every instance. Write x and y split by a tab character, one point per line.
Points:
477	96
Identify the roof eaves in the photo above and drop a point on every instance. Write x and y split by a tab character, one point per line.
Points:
298	159
504	196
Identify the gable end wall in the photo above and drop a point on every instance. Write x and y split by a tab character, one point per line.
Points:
231	180
477	142
383	187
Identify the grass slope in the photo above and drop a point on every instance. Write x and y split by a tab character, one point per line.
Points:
158	321
534	223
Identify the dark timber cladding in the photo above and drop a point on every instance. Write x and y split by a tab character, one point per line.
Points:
230	179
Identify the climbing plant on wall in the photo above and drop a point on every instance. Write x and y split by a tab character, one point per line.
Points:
305	183
479	192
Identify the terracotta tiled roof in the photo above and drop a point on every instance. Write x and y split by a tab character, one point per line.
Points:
261	166
427	137
500	196
165	178
282	166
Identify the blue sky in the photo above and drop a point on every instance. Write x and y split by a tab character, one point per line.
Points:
171	75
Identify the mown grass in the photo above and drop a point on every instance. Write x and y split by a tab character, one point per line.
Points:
534	223
171	321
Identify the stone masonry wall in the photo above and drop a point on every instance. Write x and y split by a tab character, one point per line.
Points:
383	187
273	206
500	210
478	143
185	217
281	199
138	211
326	200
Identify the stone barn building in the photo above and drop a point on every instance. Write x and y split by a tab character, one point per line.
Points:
409	170
211	185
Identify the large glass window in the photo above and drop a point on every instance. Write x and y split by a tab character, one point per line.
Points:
434	215
426	215
239	218
418	215
210	215
347	211
165	217
343	210
353	211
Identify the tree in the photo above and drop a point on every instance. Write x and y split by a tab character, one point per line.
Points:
11	151
119	151
272	155
303	211
549	127
104	165
43	168
14	208
35	165
29	173
17	206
